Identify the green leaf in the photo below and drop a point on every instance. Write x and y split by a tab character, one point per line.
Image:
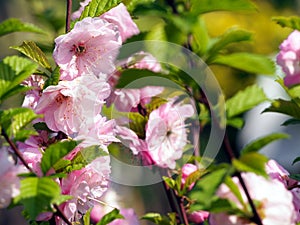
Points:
169	181
191	179
54	153
156	218
295	176
291	22
235	122
206	6
249	62
251	162
14	25
232	35
287	107
296	160
245	100
13	71
86	217
258	144
31	50
291	121
97	7
235	190
37	194
204	191
200	38
14	120
109	217
53	79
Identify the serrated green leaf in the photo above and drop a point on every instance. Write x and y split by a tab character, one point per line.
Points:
291	22
109	217
206	6
14	120
204	191
37	195
61	199
232	35
156	218
245	100
31	50
248	62
55	152
97	7
15	25
191	180
169	181
251	162
13	71
287	107
53	79
258	144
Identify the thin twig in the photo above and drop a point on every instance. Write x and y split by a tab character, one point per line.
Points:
61	215
68	15
256	218
16	150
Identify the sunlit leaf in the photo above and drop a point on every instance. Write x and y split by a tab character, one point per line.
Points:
157	218
98	7
291	22
287	107
109	217
15	25
53	79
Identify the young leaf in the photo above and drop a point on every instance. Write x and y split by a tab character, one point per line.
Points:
235	190
31	50
86	217
14	25
200	38
55	152
258	144
109	217
232	35
14	120
206	6
13	71
170	182
156	218
290	108
245	100
291	22
205	188
37	194
248	62
235	122
291	121
251	162
296	160
295	176
98	7
53	79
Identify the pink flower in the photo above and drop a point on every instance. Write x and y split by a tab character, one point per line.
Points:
166	133
33	96
289	58
274	202
277	172
198	216
120	17
71	106
85	186
75	15
187	170
9	180
89	48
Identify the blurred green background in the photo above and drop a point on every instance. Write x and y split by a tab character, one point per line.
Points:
50	15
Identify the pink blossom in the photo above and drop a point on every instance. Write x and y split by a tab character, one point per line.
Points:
9	180
85	186
187	170
289	57
166	133
75	15
277	172
89	48
274	202
198	216
71	106
121	17
32	96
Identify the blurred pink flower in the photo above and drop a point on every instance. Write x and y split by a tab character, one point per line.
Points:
198	216
89	48
166	133
277	172
32	96
121	17
187	170
10	182
289	58
85	185
274	202
71	106
75	15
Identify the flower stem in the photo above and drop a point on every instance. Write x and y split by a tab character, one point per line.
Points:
61	215
230	152
68	15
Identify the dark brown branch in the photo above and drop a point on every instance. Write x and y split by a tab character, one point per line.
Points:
68	15
61	215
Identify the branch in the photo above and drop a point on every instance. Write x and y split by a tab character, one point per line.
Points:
61	215
68	15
